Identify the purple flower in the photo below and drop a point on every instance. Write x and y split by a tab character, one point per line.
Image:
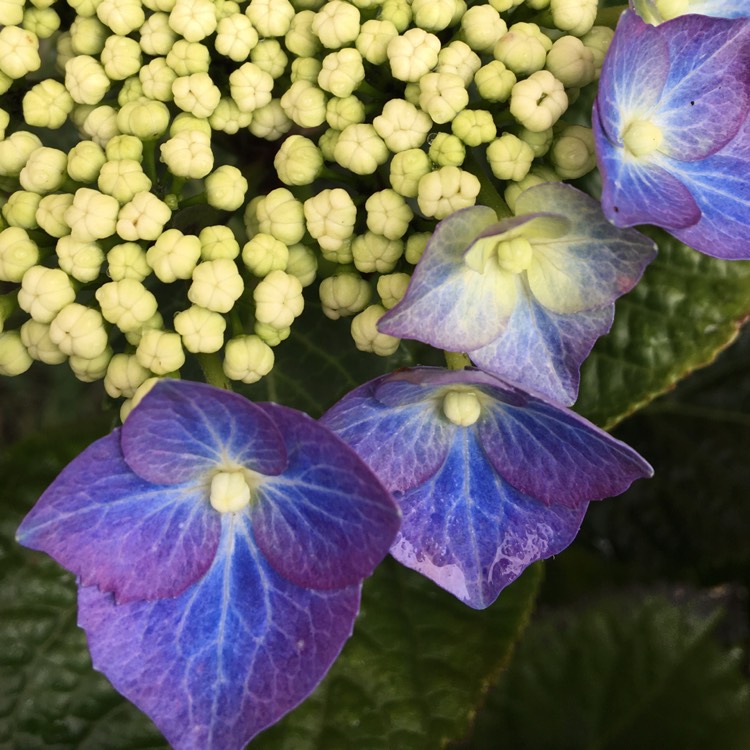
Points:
658	11
525	297
220	548
489	478
672	130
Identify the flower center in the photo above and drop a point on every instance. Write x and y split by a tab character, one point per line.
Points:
514	255
462	407
230	491
672	8
642	137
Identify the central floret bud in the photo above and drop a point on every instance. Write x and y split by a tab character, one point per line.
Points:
462	407
230	491
642	137
514	255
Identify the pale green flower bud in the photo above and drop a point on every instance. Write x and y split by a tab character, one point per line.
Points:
127	261
442	96
85	160
186	57
196	94
45	170
250	87
373	40
366	336
433	15
44	292
88	35
226	188
202	330
122	180
155	324
271	17
482	27
278	299
459	58
336	24
304	104
342	254
157	79
397	12
47	105
597	41
4	122
35	338
50	214
539	101
539	142
300	39
509	157
124	375
92	216
19	52
20	209
156	35
415	246
330	216
573	152
302	263
520	52
85	79
306	69
270	57
388	214
342	72
235	37
536	176
15	151
100	124
228	118
18	253
131	90
226	8
474	126
373	252
446	190
574	16
360	149
121	57
270	335
343	295
401	125
126	303
43	22
413	54
143	217
270	121
14	358
186	122
160	351
247	358
122	16
218	242
79	259
298	161
407	169
392	288
494	81
265	253
11	12
79	331
217	285
446	150
188	154
160	6
193	19
342	112
327	142
174	255
570	62
281	215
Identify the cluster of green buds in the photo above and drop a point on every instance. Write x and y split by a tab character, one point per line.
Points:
173	173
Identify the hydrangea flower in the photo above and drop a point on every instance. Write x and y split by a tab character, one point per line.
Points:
658	11
220	547
489	478
672	132
525	297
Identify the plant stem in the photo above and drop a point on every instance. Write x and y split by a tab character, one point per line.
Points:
213	371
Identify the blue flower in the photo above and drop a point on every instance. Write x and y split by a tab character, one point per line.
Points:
672	131
525	297
220	548
489	478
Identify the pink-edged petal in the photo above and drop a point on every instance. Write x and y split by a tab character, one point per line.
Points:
118	532
182	430
471	532
388	423
228	657
327	521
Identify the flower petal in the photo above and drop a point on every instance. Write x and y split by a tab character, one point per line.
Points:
183	430
327	521
227	658
471	532
120	533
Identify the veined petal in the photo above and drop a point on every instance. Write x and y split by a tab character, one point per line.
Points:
327	521
228	657
542	351
471	532
389	424
121	533
183	430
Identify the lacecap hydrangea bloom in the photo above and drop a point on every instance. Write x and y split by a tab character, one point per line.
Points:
220	547
672	130
526	297
489	478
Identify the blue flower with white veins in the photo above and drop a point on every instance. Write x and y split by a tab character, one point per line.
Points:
220	548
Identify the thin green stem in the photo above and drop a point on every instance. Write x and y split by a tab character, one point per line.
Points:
194	200
149	160
488	195
213	371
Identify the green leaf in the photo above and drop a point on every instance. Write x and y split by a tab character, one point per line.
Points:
623	674
687	308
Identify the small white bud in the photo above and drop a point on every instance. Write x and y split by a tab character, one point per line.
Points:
124	375
413	54
18	253
218	242
79	330
343	295
217	285
160	351
446	190
143	217
79	259
226	188
462	407
388	214
392	288
174	256
35	337
202	330
406	169
44	292
127	261
539	101
278	299
247	358
126	303
509	157
366	336
14	358
264	253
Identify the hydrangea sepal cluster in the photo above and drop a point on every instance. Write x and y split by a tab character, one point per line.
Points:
488	477
220	548
526	297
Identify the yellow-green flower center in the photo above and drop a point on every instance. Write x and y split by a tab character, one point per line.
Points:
462	407
642	137
514	255
230	491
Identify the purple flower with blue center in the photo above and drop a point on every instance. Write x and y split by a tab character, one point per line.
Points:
658	11
220	548
525	297
672	131
489	478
